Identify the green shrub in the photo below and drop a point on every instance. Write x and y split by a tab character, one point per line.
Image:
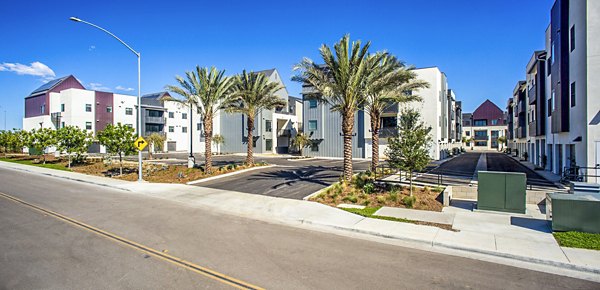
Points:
437	189
368	188
350	198
409	201
393	196
366	202
381	199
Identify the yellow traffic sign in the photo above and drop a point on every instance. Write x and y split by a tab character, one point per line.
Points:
140	143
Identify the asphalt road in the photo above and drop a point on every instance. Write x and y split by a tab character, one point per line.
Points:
290	179
39	251
462	165
503	162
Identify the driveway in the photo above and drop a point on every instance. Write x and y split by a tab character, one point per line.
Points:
288	179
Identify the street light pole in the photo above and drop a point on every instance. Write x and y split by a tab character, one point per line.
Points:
139	109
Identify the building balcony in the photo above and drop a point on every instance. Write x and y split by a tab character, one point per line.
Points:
155	120
532	129
521	132
532	95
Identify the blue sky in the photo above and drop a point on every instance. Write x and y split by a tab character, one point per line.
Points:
482	46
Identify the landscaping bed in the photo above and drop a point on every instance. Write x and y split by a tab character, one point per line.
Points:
370	213
362	190
159	173
578	240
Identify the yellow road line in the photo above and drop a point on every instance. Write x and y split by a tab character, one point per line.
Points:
145	249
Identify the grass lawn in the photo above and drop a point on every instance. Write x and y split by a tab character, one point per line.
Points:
370	212
56	166
578	240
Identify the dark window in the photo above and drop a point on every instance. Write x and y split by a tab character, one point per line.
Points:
171	115
154	113
312	125
199	127
108	109
494	122
387	122
549	107
62	107
314	147
468	133
151	128
548	67
62	125
269	144
183	129
88	107
88	125
171	129
480	123
573	94
312	103
268	126
572	34
481	133
481	143
128	111
183	115
43	109
495	134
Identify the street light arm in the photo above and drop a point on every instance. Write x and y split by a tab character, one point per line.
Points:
107	32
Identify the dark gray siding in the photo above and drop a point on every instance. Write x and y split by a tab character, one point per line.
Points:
233	129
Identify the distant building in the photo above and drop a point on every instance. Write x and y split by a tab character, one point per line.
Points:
484	126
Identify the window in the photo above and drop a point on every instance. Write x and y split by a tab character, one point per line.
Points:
62	125
312	103
184	116
183	129
549	107
62	107
314	147
572	34
171	115
494	122
199	127
268	126
573	94
552	53
495	134
468	133
88	125
128	111
171	129
43	109
88	107
269	144
481	143
552	101
387	122
312	125
481	133
109	109
154	113
480	123
151	128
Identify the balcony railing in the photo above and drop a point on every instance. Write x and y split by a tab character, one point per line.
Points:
481	138
155	120
388	132
532	95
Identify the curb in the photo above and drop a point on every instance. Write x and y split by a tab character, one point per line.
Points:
301	159
228	174
543	262
69	178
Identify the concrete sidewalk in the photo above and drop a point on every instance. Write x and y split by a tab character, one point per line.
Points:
512	239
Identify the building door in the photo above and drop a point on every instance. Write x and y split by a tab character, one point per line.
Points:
171	146
559	158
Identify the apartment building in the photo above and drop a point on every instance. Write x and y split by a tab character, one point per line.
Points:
484	126
519	118
438	110
66	102
563	91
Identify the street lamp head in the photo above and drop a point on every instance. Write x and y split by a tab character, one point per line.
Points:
75	19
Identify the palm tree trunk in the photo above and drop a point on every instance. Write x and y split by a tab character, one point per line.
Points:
208	144
249	156
375	126
347	128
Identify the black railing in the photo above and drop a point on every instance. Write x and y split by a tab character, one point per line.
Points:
578	173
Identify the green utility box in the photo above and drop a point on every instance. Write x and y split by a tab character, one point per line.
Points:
574	212
501	191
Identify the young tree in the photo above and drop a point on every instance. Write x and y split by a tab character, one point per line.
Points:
390	82
208	89
17	139
41	139
4	136
118	140
252	93
156	142
501	142
300	141
341	83
410	150
219	140
72	140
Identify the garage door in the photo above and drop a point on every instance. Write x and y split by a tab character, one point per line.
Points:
171	146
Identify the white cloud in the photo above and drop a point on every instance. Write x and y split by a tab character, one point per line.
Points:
92	47
98	87
122	88
34	69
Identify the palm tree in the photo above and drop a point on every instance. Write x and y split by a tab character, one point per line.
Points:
390	82
341	83
207	89
252	93
301	140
